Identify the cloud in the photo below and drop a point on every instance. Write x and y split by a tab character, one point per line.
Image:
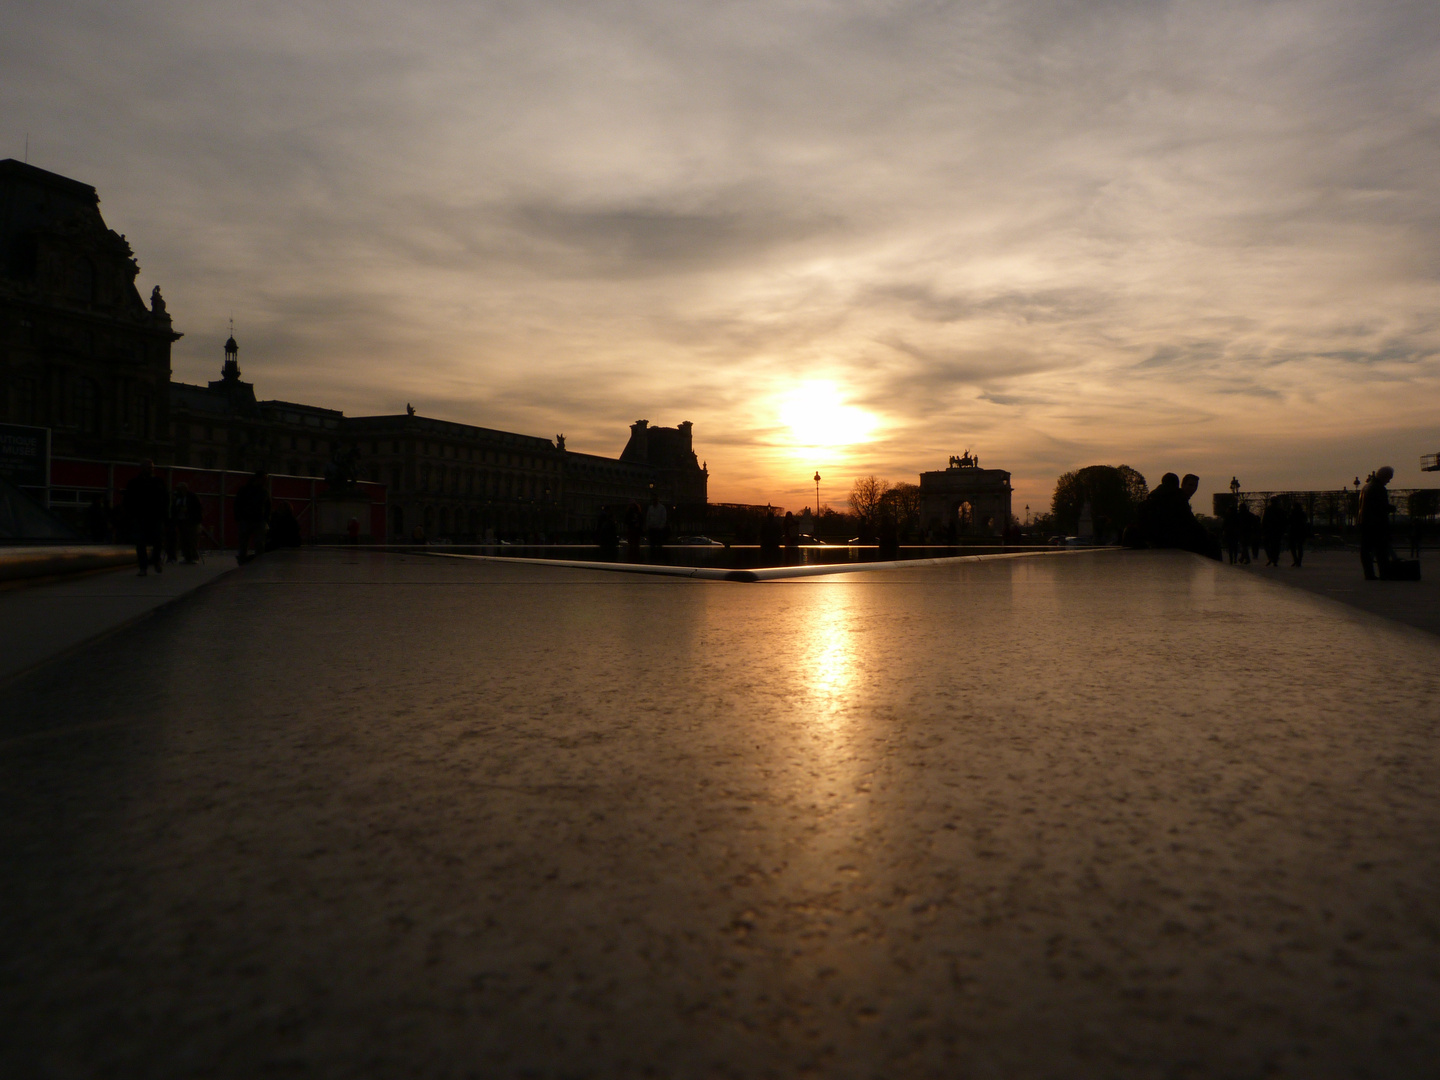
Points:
1109	231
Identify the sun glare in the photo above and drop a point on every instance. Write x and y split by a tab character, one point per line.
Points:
816	414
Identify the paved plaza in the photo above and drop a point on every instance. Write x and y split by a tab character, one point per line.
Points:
1115	814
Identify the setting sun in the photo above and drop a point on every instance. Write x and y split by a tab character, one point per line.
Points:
816	414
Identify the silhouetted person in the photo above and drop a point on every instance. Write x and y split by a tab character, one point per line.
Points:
607	535
1160	513
1299	532
1166	520
284	527
252	517
771	534
1194	536
185	515
145	506
889	540
792	539
656	521
1230	533
634	530
1417	535
1246	527
97	518
866	537
1375	511
352	531
1272	530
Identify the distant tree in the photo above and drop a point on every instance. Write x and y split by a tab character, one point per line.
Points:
832	524
1135	485
1114	494
865	496
903	502
1043	526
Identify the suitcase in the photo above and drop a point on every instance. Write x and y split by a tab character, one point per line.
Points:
1400	570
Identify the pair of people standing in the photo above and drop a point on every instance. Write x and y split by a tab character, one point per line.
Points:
1277	525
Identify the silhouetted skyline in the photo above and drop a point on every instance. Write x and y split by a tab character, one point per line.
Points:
1183	237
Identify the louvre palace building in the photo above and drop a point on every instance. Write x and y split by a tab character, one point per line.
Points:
82	355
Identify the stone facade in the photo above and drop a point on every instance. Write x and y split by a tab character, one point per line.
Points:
680	478
80	352
460	481
971	500
223	426
456	481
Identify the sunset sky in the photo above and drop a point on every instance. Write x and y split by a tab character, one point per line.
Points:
1200	237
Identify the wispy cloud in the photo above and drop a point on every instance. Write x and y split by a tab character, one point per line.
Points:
1109	231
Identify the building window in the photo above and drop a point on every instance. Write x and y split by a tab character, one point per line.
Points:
87	406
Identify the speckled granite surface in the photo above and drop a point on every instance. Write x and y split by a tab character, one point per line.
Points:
1126	814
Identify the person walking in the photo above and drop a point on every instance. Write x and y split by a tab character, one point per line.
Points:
770	536
1299	532
634	531
1230	533
145	502
1375	511
185	515
656	521
1246	527
1272	529
252	516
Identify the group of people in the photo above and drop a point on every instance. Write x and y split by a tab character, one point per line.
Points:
165	523
652	524
162	521
1245	533
1278	525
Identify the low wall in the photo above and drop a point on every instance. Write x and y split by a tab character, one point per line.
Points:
51	560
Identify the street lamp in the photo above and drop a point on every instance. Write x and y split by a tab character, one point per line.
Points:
817	496
1027	515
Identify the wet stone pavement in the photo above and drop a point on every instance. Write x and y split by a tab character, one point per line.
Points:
1125	814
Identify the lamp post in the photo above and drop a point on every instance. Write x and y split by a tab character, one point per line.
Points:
817	497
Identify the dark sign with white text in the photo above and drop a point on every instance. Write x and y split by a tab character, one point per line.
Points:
25	455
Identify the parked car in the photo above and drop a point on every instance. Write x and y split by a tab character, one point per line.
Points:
699	541
806	540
